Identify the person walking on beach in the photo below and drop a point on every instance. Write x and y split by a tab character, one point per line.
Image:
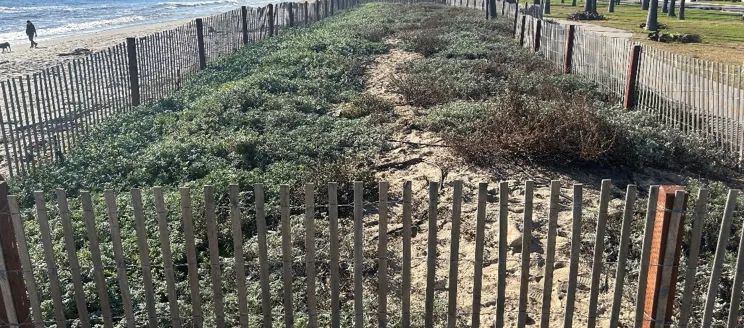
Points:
31	32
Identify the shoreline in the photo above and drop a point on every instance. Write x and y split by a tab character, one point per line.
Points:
23	60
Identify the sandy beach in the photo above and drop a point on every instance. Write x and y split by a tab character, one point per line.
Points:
23	60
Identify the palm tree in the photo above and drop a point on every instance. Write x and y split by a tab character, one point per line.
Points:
681	10
644	4
671	9
652	19
612	6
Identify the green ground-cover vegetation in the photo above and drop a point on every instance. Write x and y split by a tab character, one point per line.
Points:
722	33
266	115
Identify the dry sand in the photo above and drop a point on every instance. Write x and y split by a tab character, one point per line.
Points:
23	60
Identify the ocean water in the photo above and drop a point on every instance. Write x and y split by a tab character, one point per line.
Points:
59	18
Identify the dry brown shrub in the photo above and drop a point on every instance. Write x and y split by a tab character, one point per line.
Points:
520	129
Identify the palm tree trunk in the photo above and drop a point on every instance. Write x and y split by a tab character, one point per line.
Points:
665	8
681	10
671	8
588	6
492	8
546	7
651	20
612	6
573	3
644	4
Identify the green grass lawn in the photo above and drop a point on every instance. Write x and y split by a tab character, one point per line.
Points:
722	33
724	3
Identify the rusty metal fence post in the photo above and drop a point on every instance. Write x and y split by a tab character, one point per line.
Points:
631	83
662	278
568	59
20	304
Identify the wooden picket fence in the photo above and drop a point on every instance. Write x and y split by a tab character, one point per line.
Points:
206	268
46	113
695	96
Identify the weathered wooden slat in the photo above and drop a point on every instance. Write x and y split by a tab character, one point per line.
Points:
480	231
144	253
72	258
431	254
188	230
214	256
237	234
715	275
406	284
28	271
263	257
165	246
10	310
604	200
95	252
310	256
286	255
648	233
46	239
555	192
333	226
358	253
121	265
454	254
573	269
503	247
669	252
524	279
630	197
733	317
382	279
692	259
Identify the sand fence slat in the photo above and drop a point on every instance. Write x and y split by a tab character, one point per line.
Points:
310	257
431	253
480	231
358	253
144	253
95	251
555	191
165	246
46	239
214	256
5	291
237	235
454	254
715	275
286	254
604	200
693	257
630	197
736	288
121	266
382	255
406	275
503	247
648	233
333	226
263	258
573	269
526	243
10	129
72	258
191	259
28	270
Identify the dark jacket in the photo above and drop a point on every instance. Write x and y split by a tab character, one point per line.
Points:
30	29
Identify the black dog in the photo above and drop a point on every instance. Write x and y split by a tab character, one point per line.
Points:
6	47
